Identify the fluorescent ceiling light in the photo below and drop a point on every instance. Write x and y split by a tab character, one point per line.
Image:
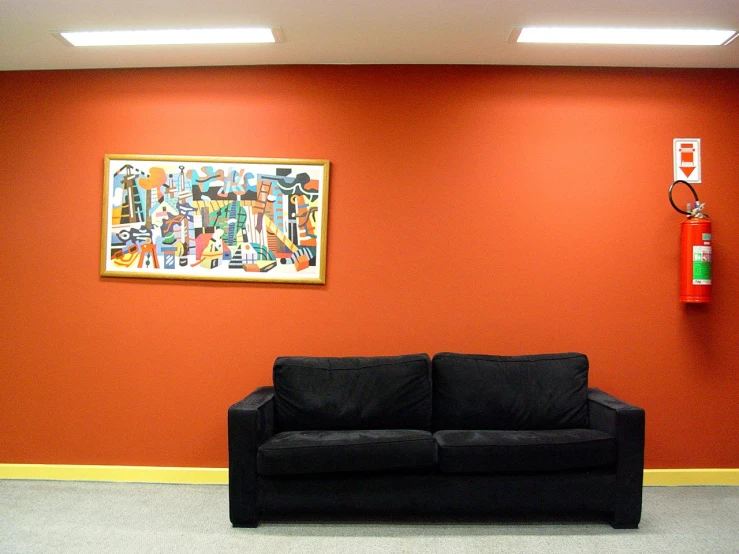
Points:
173	36
598	35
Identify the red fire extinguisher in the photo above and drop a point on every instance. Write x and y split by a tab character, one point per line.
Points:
695	250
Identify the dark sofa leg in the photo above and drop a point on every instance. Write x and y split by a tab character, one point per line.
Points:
621	520
243	510
625	525
246	524
627	511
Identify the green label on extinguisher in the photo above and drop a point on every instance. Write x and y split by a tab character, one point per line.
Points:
701	265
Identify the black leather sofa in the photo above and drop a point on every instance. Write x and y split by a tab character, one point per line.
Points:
464	435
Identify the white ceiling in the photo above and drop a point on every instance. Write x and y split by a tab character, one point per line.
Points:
359	32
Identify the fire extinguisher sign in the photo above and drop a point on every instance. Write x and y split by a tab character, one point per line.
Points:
686	154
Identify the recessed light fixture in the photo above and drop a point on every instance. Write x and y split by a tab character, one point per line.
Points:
610	35
173	36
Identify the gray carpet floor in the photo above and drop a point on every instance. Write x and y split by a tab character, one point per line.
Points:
82	517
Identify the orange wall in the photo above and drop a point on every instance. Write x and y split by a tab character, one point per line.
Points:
476	209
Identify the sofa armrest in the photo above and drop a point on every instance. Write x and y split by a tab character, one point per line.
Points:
613	416
250	423
625	423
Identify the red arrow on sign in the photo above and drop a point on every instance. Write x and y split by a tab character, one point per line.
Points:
687	160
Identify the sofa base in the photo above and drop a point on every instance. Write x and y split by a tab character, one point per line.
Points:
490	519
437	496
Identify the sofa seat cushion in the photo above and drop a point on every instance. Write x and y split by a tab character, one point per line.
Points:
497	451
304	452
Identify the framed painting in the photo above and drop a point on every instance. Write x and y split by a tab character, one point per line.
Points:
229	219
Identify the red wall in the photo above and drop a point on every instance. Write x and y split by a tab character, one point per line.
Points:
477	209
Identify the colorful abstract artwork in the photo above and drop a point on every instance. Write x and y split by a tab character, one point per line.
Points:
233	219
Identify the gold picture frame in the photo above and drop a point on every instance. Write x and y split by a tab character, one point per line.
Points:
215	218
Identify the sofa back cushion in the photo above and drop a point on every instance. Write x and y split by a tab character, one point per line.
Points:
387	392
546	391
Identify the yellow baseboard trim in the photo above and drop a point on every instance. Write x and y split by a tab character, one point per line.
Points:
691	477
219	476
124	474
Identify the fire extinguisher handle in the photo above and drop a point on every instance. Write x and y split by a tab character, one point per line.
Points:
669	195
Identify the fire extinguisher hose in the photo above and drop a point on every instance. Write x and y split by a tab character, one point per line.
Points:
698	211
